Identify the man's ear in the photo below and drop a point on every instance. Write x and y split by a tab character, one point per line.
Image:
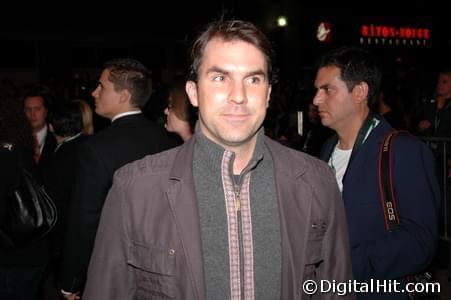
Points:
360	92
268	98
125	96
191	91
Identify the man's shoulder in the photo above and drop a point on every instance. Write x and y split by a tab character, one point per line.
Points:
408	146
138	129
154	164
297	160
403	140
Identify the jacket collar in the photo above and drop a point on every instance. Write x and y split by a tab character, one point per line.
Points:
183	170
285	167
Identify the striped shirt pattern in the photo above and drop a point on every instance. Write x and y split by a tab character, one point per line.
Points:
233	232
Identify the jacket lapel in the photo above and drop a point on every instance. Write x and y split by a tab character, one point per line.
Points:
183	203
294	218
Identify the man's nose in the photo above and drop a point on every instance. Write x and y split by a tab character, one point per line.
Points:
318	98
95	92
238	93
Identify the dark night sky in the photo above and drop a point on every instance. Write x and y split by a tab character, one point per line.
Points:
176	18
61	33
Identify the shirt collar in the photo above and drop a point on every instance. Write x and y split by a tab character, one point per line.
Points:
128	113
67	140
40	136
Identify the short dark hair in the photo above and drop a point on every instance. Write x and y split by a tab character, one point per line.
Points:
445	71
356	65
130	74
231	30
14	127
180	103
39	91
66	119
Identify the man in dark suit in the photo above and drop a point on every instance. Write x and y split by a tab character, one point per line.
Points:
36	108
123	89
65	123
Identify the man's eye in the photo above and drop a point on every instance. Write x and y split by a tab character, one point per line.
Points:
254	79
219	78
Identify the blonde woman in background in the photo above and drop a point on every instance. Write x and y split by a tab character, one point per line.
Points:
86	113
180	114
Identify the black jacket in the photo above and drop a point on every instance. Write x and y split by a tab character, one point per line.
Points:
127	139
58	177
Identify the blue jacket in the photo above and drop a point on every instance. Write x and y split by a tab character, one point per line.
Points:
376	253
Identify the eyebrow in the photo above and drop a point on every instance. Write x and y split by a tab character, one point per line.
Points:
323	86
216	69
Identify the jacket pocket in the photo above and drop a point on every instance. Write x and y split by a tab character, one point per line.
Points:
315	242
313	254
154	269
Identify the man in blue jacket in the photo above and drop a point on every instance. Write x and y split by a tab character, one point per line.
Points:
347	83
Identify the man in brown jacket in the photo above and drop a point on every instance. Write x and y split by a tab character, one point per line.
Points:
230	214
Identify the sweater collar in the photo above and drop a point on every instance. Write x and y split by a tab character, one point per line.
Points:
211	154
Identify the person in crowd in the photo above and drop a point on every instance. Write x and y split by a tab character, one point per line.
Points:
123	89
436	119
389	105
180	115
21	268
230	214
316	134
36	108
87	116
277	121
65	122
347	83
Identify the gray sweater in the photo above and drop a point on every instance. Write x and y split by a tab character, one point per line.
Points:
213	219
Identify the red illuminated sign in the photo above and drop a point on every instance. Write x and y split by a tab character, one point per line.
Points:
394	35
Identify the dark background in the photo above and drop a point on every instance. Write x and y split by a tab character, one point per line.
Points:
63	46
61	40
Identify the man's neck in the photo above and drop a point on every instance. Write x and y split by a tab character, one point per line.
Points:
347	134
186	134
243	156
37	130
441	100
243	152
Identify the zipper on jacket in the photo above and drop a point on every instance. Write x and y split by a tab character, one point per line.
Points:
237	189
237	198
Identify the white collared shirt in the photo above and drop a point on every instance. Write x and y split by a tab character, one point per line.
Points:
128	113
40	136
67	140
